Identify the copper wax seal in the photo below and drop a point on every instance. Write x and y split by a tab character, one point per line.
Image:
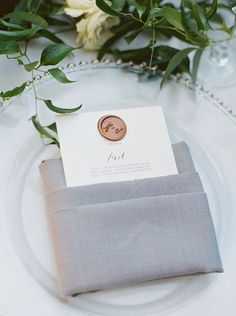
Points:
112	127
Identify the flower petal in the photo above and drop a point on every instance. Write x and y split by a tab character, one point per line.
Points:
75	13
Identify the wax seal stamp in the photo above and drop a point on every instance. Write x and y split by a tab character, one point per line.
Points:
112	127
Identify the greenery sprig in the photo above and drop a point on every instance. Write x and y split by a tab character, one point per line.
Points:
189	22
29	21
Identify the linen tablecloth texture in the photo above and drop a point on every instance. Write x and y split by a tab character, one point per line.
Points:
114	234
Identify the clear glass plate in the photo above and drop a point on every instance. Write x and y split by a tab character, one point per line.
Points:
28	281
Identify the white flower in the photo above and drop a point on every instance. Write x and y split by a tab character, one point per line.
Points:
76	8
94	29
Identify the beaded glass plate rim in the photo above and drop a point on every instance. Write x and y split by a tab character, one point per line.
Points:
182	79
70	68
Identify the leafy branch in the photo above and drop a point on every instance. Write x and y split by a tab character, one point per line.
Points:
189	22
17	28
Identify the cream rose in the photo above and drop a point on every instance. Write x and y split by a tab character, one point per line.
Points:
95	28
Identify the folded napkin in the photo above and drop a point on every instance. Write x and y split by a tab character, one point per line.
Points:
121	233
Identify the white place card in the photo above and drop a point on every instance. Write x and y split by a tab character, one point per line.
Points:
88	158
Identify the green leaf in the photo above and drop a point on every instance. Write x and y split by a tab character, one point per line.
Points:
9	47
196	62
43	131
29	67
193	35
54	53
175	61
11	25
29	17
60	110
58	21
53	127
59	75
107	9
13	92
188	22
101	4
210	12
49	35
17	35
140	7
129	39
200	18
118	4
20	62
166	53
172	15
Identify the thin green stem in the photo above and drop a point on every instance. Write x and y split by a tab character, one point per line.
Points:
15	57
35	94
152	48
26	46
32	79
153	38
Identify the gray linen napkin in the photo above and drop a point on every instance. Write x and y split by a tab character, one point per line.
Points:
114	234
